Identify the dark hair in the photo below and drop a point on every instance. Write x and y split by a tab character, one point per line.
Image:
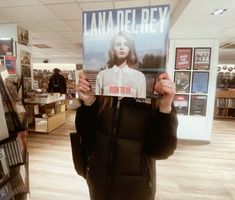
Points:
131	58
56	70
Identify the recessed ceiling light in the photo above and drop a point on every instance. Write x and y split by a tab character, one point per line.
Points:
219	11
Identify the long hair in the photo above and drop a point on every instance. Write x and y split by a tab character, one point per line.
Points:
131	58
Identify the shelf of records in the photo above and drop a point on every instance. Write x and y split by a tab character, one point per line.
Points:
41	79
225	104
14	175
14	171
225	76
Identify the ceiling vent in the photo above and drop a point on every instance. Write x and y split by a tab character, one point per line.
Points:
228	46
41	46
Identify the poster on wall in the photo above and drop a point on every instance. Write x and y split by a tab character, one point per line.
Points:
183	58
181	103
25	61
198	105
200	82
10	64
182	81
125	49
23	36
6	47
202	58
25	58
27	86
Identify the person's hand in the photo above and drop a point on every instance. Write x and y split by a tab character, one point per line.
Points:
84	91
166	88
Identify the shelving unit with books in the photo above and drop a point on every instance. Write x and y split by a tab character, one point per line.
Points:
225	93
225	104
42	74
13	144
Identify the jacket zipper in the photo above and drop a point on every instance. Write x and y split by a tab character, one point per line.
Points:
112	147
147	173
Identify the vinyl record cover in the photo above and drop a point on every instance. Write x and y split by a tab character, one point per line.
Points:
6	46
181	103
198	105
125	49
10	64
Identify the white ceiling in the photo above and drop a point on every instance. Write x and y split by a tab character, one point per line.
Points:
57	23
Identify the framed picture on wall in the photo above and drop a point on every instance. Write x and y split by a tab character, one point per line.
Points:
6	47
200	82
23	36
202	57
25	58
182	81
183	58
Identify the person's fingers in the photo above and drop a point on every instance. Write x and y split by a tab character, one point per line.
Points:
163	75
162	84
82	76
83	84
83	88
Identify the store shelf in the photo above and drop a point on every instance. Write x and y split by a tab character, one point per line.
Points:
225	105
46	115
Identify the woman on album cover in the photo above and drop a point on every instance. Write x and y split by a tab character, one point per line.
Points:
121	78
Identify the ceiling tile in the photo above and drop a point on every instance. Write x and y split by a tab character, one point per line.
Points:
94	1
11	15
38	12
33	26
129	4
74	24
57	1
89	6
49	34
14	3
56	25
172	3
68	34
69	11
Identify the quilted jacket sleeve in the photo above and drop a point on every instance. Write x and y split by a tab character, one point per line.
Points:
85	122
161	140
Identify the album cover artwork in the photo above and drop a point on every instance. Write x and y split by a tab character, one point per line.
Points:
122	47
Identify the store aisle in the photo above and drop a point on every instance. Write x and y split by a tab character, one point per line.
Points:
196	171
52	175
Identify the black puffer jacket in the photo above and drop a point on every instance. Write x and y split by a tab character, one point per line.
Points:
123	145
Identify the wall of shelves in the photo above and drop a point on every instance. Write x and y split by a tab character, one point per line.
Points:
225	105
43	71
14	158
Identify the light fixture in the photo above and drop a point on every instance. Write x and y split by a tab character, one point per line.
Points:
219	11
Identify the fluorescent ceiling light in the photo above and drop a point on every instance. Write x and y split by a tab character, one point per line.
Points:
5	38
219	11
